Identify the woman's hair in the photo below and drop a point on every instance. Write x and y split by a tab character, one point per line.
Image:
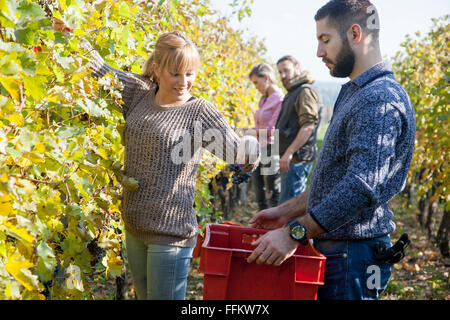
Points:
263	69
174	51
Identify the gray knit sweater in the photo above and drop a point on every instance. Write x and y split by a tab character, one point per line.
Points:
161	210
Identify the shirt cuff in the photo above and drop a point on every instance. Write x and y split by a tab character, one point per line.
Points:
318	221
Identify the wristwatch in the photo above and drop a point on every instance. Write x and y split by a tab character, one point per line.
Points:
298	232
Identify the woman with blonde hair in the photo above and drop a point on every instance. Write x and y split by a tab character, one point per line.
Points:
263	77
159	218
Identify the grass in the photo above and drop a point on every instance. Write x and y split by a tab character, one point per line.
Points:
423	274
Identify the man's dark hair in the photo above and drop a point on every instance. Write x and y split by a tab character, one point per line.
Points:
342	14
288	58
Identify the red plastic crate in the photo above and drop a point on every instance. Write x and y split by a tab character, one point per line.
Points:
228	276
200	239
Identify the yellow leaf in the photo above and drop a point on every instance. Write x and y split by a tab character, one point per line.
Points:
32	295
33	86
12	290
23	163
63	5
34	158
113	264
80	75
3	6
42	69
16	118
18	233
4	177
102	152
53	98
12	85
19	270
5	202
39	147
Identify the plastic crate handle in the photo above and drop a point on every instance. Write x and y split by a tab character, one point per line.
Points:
249	238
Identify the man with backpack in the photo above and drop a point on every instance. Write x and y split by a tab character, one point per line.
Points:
297	128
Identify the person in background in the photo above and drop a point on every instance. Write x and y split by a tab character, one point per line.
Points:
263	77
297	127
363	163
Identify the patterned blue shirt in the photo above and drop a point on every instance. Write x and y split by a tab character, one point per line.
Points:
365	157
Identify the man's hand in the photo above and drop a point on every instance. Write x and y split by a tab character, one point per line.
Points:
285	162
274	248
268	219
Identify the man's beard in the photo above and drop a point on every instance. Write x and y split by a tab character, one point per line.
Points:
286	82
345	61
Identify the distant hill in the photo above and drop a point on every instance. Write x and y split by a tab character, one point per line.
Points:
328	91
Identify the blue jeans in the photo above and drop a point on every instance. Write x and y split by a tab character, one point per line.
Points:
351	273
159	272
294	181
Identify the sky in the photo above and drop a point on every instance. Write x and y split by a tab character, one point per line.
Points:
288	27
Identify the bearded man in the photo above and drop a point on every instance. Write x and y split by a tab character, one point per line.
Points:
363	164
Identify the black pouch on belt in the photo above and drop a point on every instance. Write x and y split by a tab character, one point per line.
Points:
393	254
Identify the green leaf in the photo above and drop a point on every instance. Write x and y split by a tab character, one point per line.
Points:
76	210
65	62
66	132
130	183
28	139
58	73
11	46
28	63
60	38
46	261
95	109
31	11
124	10
11	8
9	68
25	36
14	152
34	86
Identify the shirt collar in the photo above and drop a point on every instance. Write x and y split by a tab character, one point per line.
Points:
378	70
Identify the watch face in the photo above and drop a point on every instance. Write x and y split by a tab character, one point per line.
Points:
298	232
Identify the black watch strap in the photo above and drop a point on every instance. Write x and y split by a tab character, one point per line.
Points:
294	223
